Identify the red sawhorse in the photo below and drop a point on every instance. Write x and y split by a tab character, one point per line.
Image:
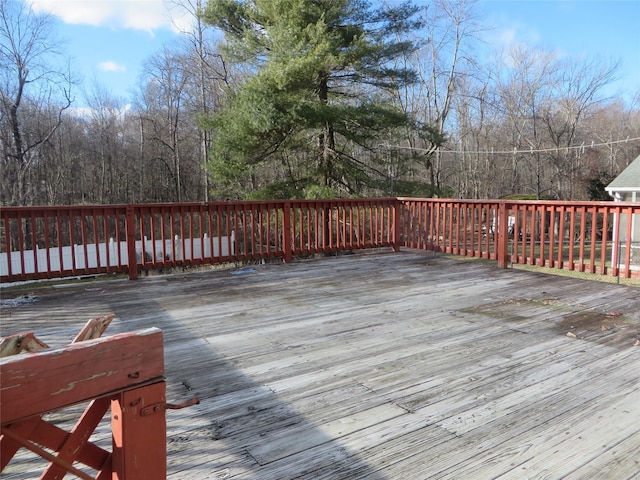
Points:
122	373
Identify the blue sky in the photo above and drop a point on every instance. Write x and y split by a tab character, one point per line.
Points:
599	29
109	40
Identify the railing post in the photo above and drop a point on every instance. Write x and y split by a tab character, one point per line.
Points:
502	237
139	433
286	232
132	261
396	218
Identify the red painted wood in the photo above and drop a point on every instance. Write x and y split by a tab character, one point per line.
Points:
603	243
53	437
8	446
77	439
627	240
73	374
593	240
41	452
132	263
139	442
464	227
286	236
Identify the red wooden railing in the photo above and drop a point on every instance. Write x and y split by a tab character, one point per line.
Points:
53	242
450	226
594	237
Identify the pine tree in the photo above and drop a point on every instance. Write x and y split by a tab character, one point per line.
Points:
316	102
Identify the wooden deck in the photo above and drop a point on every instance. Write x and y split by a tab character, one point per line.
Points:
379	366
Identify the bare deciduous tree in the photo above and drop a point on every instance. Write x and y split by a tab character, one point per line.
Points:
32	80
576	95
211	75
443	59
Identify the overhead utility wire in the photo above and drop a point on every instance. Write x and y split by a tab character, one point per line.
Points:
515	150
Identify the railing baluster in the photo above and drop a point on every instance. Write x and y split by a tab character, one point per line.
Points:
37	240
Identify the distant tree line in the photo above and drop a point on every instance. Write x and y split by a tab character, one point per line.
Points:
309	99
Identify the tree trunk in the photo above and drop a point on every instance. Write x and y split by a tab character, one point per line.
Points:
326	142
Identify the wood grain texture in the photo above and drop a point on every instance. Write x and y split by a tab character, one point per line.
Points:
379	366
37	383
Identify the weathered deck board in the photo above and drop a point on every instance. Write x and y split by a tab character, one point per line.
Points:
379	366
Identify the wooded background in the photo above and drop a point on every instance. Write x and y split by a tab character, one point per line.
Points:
308	99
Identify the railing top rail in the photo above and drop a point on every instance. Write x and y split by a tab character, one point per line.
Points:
222	203
342	201
570	203
433	199
346	200
6	211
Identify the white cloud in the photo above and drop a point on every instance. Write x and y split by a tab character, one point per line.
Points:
111	67
508	37
145	15
87	113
